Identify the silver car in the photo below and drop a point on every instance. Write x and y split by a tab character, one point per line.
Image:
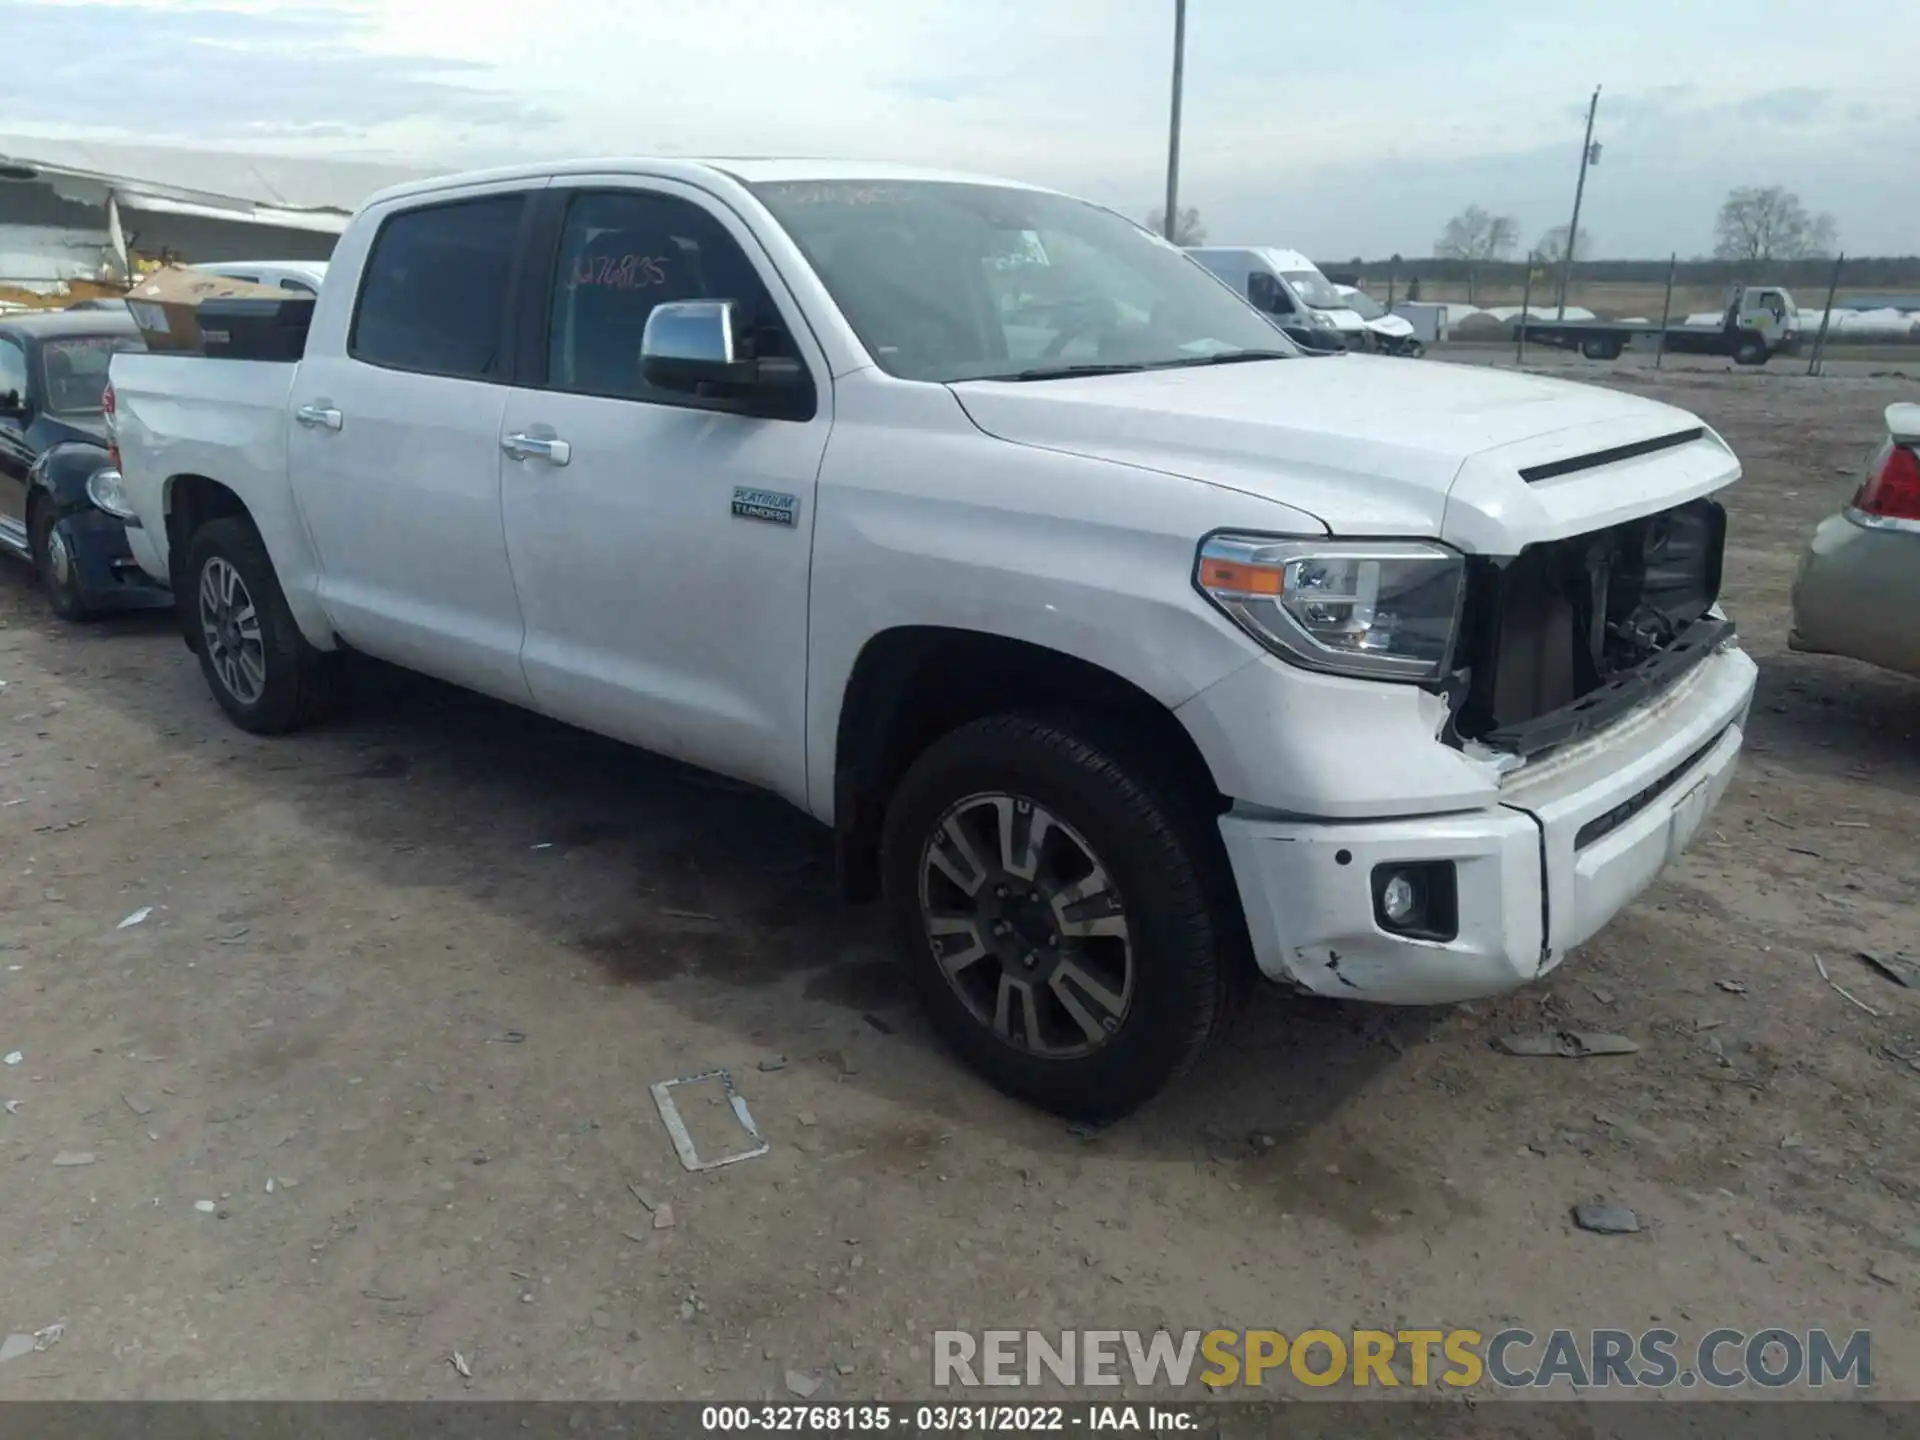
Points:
1858	585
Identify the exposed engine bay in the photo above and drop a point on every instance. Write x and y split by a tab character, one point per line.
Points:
1564	637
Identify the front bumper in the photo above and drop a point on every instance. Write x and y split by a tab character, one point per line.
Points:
110	576
1573	838
1856	592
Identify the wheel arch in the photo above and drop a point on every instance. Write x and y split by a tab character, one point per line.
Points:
189	500
913	684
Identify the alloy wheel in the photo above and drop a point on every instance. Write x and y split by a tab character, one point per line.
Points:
230	629
1027	926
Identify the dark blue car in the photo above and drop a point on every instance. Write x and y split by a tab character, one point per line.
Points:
53	441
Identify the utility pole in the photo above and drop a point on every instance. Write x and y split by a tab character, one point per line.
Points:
1171	219
1589	154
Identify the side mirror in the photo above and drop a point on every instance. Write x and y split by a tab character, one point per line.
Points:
689	344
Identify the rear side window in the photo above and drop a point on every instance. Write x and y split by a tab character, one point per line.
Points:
434	295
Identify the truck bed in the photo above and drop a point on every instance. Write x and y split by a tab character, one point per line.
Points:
225	420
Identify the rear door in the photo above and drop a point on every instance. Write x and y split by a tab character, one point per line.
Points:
394	447
661	607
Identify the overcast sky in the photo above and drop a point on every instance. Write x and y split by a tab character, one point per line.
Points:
1355	128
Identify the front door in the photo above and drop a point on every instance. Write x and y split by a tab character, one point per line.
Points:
661	548
394	442
16	453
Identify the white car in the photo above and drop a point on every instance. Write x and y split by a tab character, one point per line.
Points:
1392	334
301	277
1128	654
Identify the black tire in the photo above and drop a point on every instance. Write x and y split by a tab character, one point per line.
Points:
296	683
1190	956
1600	349
1412	349
1750	352
65	596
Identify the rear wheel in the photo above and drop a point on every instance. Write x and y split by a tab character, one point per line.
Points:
259	666
1064	910
57	566
1600	347
1752	351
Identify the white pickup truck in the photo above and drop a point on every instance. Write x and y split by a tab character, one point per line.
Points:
1129	654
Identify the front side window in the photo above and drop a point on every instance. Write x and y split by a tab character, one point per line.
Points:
434	294
75	370
622	252
13	374
946	281
1269	294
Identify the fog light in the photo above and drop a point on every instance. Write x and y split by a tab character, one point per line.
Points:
1399	899
1418	899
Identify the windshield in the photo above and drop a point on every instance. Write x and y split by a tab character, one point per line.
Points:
76	370
945	281
1364	305
1314	288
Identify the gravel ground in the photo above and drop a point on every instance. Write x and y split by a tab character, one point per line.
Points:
367	1085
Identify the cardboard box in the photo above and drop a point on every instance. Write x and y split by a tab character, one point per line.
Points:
166	304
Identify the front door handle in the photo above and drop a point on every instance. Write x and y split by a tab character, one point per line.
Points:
536	447
312	415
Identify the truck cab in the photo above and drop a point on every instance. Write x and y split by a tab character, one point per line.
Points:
1767	311
1286	284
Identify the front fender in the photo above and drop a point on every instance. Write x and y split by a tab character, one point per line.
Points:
61	472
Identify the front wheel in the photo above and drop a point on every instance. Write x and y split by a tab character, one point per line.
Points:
1750	352
57	566
1065	912
1600	349
257	663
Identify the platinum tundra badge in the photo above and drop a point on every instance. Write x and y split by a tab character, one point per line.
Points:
775	506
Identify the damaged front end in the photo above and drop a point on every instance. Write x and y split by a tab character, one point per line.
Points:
1567	636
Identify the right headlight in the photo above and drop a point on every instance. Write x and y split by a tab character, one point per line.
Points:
108	491
1384	610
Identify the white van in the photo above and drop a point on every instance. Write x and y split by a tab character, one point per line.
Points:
1288	284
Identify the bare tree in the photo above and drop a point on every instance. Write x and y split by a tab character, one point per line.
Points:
1552	249
1475	235
1769	223
1187	229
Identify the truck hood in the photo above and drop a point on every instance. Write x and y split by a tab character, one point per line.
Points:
1486	460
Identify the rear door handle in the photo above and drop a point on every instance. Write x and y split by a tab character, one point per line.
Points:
312	415
536	447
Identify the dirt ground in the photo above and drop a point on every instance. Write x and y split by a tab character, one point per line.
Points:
403	983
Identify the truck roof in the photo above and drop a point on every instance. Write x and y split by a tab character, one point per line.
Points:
748	170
